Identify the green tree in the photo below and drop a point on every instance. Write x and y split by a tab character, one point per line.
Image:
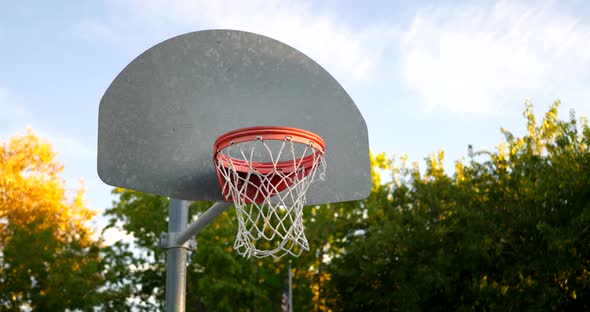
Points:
218	279
509	230
49	260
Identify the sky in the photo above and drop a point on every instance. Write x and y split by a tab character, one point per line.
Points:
426	75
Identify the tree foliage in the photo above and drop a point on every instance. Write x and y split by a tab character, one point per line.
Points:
509	230
49	261
218	279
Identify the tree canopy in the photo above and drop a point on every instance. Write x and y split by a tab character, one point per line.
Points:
508	230
49	261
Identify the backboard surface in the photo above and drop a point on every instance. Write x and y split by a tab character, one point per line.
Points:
159	118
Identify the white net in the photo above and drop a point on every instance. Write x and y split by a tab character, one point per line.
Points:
267	181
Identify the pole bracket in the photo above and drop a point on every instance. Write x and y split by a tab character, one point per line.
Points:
170	240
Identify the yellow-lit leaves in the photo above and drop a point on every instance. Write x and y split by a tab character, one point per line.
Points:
54	264
379	162
434	166
32	192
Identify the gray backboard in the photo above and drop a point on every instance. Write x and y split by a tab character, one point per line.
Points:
159	118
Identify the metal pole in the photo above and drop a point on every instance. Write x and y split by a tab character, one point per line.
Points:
204	219
177	242
176	258
290	289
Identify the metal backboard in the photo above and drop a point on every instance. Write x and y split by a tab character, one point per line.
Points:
159	118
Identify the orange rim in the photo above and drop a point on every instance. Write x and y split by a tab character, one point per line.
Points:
267	133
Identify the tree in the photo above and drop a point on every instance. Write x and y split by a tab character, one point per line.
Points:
507	231
49	261
218	278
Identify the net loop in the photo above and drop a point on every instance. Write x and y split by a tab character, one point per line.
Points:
266	172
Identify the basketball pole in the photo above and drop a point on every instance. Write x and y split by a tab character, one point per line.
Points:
176	257
177	242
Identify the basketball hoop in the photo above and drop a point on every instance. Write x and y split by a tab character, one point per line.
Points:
266	172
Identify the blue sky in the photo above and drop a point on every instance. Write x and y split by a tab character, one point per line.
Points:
426	76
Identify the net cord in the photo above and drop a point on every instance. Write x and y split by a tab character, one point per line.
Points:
269	206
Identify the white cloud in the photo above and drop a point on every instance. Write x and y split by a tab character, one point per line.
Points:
70	147
465	59
351	52
13	112
79	159
73	152
113	235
